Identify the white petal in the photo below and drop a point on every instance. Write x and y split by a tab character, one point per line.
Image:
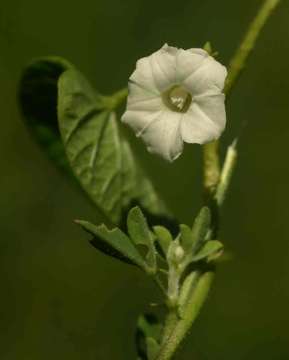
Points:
143	76
146	103
198	128
156	72
139	120
199	51
213	105
163	136
138	93
210	75
162	129
188	61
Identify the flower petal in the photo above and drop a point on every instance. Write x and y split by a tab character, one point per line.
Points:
163	136
156	72
162	127
213	105
139	120
146	103
188	61
210	75
198	128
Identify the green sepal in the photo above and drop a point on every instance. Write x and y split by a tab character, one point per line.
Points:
140	234
208	47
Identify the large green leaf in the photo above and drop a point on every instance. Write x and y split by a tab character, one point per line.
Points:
38	102
101	159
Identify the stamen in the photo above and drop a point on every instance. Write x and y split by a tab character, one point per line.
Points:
177	98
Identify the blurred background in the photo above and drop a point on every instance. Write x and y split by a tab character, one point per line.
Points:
62	299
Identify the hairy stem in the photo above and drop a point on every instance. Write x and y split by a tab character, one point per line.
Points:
178	326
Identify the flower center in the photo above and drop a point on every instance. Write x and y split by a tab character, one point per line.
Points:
177	98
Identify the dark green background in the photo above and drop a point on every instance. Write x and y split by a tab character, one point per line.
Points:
60	299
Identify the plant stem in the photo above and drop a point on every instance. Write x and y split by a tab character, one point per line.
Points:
116	99
247	45
237	64
211	167
170	323
177	327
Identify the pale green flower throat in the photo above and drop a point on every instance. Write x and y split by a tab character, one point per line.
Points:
177	99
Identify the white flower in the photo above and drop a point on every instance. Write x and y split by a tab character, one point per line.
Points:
175	96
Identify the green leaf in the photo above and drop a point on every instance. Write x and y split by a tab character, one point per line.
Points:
116	239
53	94
164	238
101	160
187	238
210	250
186	290
148	335
140	234
201	226
149	325
196	293
152	348
107	249
38	102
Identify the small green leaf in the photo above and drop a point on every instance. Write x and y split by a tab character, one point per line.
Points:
140	234
152	348
117	240
201	226
164	238
148	327
210	250
186	290
196	296
107	249
187	238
